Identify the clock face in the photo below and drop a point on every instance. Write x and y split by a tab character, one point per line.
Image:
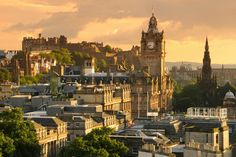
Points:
150	44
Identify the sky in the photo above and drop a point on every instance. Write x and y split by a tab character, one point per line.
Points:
186	24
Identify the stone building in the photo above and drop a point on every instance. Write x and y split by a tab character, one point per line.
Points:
139	142
82	125
98	105
113	98
152	59
230	104
51	133
41	43
81	119
209	113
36	64
153	49
207	140
185	76
145	95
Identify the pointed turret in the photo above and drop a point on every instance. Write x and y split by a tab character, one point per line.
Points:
206	69
206	45
152	23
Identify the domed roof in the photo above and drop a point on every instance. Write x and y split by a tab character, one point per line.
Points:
229	95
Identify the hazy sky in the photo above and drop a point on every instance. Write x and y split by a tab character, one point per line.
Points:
119	22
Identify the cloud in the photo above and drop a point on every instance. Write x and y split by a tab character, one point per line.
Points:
120	22
187	12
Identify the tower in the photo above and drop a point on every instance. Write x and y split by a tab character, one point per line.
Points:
152	61
207	81
152	49
206	68
89	65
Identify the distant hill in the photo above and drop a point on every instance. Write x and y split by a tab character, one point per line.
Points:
196	65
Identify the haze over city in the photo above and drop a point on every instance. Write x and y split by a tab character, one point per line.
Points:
186	24
117	78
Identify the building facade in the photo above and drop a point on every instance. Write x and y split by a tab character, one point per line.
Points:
230	104
205	141
51	133
152	61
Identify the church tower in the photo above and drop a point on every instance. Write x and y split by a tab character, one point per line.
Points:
152	49
207	81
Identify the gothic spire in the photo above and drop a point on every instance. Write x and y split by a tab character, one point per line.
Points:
206	45
152	23
206	69
207	53
208	82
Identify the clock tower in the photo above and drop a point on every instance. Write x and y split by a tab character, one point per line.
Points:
153	49
152	87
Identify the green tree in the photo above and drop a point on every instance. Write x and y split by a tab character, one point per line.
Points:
101	65
189	96
20	131
7	147
96	143
79	57
79	147
63	56
4	75
28	80
108	48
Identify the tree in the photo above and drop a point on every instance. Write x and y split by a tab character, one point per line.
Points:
79	147
21	132
101	65
79	57
7	147
189	96
108	48
96	143
4	75
27	80
63	56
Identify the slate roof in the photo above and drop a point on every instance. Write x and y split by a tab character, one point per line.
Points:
48	121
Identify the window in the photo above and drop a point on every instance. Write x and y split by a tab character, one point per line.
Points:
135	150
217	138
77	124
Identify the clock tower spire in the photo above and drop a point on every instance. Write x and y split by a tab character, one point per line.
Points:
152	46
152	23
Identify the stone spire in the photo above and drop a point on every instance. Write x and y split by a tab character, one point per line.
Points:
208	83
206	45
206	69
152	23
